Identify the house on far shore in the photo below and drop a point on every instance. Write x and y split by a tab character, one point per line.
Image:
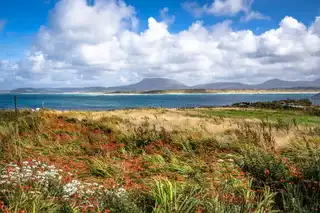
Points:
316	99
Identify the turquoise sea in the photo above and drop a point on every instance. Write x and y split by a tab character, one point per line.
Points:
121	101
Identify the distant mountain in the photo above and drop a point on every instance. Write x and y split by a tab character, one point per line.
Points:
270	84
148	84
58	90
277	83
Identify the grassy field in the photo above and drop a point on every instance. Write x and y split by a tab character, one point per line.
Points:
270	115
160	161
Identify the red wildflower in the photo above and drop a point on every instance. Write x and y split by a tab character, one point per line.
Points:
200	210
267	171
180	178
10	169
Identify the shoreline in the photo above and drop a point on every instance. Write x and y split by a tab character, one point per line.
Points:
231	92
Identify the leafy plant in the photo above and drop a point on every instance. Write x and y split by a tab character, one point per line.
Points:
170	198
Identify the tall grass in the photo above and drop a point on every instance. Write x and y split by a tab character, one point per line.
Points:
172	198
162	169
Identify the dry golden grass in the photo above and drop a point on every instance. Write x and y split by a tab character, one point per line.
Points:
183	120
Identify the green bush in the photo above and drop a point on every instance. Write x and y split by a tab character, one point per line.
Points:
306	156
264	167
119	203
282	104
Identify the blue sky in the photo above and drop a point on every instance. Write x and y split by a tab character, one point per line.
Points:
21	21
23	18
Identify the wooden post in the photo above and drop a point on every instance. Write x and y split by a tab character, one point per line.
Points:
15	104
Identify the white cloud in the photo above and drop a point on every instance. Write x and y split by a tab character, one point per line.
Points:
225	8
254	15
99	45
229	7
219	7
164	14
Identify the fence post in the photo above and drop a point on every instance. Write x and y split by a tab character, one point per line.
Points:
15	104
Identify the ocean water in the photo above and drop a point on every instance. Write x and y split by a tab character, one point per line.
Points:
121	101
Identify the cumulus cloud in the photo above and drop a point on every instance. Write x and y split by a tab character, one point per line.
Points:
229	7
225	8
218	7
99	45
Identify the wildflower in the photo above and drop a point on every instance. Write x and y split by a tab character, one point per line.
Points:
35	177
71	188
200	210
120	192
267	171
180	178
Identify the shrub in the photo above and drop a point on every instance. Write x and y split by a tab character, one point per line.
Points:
306	156
264	167
282	104
118	202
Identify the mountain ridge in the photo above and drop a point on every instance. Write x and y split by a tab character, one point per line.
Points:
149	84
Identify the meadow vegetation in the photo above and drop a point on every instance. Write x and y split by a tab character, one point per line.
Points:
160	161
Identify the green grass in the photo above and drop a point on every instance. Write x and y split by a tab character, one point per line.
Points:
270	115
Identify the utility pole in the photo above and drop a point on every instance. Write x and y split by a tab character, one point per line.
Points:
15	104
